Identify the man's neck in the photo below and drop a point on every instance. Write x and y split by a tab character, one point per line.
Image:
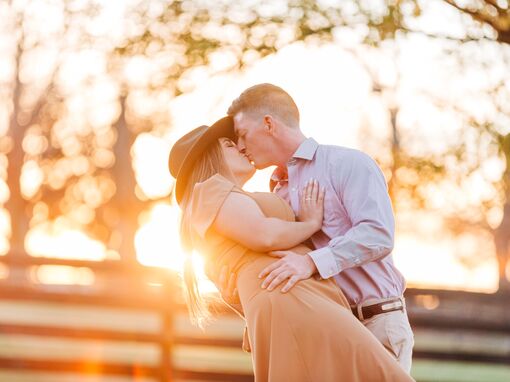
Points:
292	143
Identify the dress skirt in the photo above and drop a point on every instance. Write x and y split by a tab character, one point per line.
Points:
309	333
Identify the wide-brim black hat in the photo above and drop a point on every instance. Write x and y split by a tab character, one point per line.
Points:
191	146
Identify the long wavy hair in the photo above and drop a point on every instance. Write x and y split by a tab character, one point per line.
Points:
211	162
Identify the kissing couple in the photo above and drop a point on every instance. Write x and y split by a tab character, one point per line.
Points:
308	264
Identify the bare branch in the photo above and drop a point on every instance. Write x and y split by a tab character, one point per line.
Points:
494	3
444	37
478	16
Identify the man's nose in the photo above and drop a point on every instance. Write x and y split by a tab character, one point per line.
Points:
241	147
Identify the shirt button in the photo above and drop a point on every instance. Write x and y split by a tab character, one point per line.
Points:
294	189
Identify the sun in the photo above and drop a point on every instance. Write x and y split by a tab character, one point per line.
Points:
157	243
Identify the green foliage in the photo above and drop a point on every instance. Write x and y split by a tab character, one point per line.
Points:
179	36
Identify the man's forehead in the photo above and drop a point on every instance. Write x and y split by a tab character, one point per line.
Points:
243	120
238	126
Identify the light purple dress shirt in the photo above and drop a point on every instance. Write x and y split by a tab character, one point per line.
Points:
356	240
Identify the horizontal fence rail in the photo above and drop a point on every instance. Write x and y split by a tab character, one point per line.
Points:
132	323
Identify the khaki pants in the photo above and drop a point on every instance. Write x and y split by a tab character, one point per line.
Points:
392	329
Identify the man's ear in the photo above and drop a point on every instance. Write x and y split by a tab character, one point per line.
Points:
269	124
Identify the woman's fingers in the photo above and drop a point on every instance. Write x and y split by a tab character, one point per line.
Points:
309	191
223	278
320	196
227	285
231	285
315	190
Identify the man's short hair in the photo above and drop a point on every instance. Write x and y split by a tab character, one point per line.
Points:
266	99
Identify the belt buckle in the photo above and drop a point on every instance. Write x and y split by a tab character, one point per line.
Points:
390	305
394	304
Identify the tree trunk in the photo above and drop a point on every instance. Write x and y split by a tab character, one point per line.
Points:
395	154
125	201
502	233
502	242
16	205
504	37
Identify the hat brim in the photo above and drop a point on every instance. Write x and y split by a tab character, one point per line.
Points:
223	127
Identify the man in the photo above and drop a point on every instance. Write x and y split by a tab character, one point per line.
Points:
355	243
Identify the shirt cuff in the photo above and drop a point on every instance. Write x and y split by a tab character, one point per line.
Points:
325	262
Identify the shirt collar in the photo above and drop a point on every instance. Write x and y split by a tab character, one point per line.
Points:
307	149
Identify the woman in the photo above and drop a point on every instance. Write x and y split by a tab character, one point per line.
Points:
307	334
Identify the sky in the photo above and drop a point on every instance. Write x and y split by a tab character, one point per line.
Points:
334	94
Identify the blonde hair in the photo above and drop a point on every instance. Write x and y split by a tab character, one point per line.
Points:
211	162
267	99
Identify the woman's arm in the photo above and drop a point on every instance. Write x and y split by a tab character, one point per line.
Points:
241	219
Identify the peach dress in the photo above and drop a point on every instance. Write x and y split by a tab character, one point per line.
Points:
307	334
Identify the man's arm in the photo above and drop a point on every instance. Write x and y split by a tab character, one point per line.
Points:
364	194
361	187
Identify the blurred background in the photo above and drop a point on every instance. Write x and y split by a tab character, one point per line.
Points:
94	93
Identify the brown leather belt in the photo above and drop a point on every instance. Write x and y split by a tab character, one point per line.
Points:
365	312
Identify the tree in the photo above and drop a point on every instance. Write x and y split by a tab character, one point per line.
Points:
29	95
491	217
80	150
491	13
76	158
177	38
411	176
460	175
482	19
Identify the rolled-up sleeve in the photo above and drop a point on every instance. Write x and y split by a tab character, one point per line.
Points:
361	186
